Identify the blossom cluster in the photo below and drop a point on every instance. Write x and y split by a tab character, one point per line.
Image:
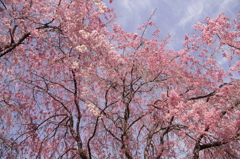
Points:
92	108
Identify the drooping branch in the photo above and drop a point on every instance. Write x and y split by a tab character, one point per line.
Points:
209	94
8	48
213	144
14	45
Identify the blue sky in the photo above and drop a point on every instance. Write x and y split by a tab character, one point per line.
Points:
176	17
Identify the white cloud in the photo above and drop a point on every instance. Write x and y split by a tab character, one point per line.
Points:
193	12
226	3
227	6
197	10
126	4
135	5
132	13
173	16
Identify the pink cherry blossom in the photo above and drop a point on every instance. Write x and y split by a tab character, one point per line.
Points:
74	84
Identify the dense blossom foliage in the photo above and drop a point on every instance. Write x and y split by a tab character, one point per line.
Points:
74	84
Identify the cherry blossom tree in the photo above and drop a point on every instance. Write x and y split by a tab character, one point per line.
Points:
74	84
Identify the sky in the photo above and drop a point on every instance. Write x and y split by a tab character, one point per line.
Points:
175	17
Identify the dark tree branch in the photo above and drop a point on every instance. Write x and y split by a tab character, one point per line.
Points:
213	144
89	140
14	45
